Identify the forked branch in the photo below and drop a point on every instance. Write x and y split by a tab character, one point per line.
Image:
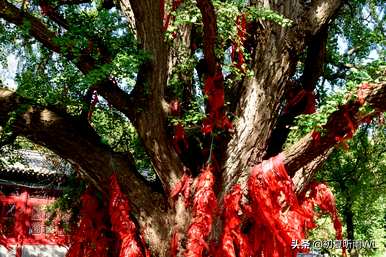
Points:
340	126
72	139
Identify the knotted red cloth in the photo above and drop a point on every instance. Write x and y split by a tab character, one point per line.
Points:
89	239
278	215
180	136
123	225
183	188
214	89
233	242
237	47
204	209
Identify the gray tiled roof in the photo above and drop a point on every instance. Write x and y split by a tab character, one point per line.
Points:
34	168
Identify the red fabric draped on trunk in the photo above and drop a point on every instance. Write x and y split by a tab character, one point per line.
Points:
122	224
278	215
265	227
237	50
204	209
214	90
89	239
233	242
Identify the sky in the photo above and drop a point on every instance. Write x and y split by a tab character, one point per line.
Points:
7	74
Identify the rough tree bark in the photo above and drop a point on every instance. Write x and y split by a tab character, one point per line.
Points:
274	57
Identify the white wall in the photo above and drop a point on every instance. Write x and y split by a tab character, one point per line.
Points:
7	253
36	251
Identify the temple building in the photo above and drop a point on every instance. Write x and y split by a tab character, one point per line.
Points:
27	187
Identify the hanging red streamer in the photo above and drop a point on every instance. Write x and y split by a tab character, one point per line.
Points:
162	8
214	89
279	217
123	225
174	244
362	93
168	16
303	95
180	136
351	128
311	103
175	107
237	47
315	136
183	188
320	195
89	239
204	209
3	240
233	242
352	124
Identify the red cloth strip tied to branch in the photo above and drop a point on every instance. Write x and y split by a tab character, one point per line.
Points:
237	47
204	209
277	214
320	195
89	239
3	240
302	95
174	244
214	89
362	93
351	127
180	137
168	16
233	243
123	225
183	188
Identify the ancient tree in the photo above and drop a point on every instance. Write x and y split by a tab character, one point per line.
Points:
275	53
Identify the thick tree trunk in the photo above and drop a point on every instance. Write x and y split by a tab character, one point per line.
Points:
348	216
275	55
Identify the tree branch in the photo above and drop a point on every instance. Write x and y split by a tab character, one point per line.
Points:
148	91
148	22
260	97
70	2
313	69
52	13
150	117
180	52
319	13
210	32
72	139
306	174
67	136
273	64
39	31
107	88
339	125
